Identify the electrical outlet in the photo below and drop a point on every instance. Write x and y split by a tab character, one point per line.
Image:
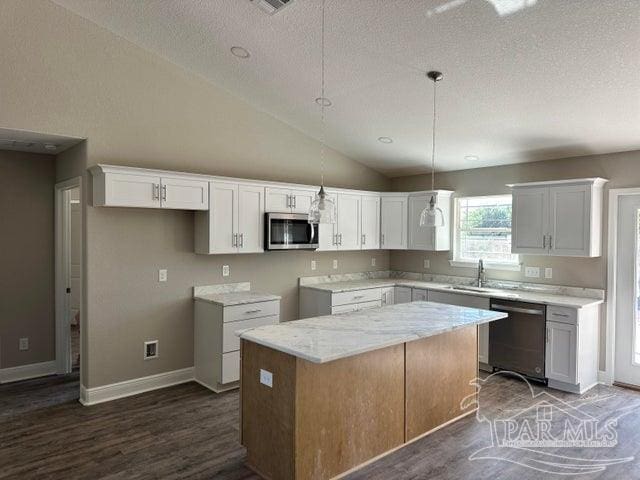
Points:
548	272
335	263
313	265
162	275
532	272
427	263
23	343
266	378
373	261
225	270
151	349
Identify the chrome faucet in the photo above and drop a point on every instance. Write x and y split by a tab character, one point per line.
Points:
481	274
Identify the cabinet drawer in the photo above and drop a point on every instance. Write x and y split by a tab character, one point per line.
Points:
251	310
231	367
231	342
418	294
562	315
358	296
344	308
367	305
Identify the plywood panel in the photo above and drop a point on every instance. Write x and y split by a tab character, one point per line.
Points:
348	411
268	414
438	372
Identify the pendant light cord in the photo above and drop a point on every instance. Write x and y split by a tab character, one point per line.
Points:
322	102
433	140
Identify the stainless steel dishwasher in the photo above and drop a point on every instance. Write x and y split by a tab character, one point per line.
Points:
517	343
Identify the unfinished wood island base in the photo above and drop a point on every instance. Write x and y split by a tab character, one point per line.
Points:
322	420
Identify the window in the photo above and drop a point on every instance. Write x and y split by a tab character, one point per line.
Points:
483	230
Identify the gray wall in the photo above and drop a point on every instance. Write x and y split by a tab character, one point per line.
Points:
27	257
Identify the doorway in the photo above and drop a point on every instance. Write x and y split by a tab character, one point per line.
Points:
69	318
625	294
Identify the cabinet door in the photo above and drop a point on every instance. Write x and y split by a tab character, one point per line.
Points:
301	200
401	295
124	190
370	222
418	295
224	214
348	222
184	194
570	213
387	296
250	219
327	232
278	200
530	221
560	357
420	238
393	223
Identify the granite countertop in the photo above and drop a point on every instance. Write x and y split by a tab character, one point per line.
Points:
236	298
331	337
506	294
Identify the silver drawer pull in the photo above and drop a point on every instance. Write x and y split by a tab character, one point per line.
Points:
254	311
358	296
559	314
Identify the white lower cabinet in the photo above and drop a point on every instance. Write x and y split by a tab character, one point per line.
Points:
419	294
401	295
217	347
314	302
571	359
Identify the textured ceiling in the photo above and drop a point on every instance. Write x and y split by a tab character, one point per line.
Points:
524	80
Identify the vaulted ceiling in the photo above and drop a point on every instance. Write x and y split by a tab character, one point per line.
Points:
524	80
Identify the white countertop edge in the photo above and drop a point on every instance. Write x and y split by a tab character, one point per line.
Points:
265	298
246	335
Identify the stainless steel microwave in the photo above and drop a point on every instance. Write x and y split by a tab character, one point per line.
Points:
290	231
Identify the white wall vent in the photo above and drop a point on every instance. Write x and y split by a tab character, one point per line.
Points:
271	6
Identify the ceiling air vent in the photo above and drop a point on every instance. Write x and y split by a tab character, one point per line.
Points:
271	6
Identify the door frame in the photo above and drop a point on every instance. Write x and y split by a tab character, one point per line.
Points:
63	357
612	271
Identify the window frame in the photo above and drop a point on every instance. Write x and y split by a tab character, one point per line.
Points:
457	261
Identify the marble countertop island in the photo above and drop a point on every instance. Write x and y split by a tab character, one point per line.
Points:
327	338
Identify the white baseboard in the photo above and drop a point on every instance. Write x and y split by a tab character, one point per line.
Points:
105	393
25	372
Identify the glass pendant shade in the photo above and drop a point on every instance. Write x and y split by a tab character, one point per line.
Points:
432	216
323	209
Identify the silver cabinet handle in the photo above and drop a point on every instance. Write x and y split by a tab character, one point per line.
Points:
257	310
156	191
335	239
550	242
234	240
564	315
164	193
242	240
340	235
544	241
364	239
288	201
293	197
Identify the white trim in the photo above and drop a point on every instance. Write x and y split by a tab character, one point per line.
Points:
106	393
25	372
610	341
597	181
509	267
63	357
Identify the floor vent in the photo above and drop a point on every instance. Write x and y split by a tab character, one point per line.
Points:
271	6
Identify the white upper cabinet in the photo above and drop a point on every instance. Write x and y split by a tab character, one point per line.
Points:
234	222
137	187
393	221
370	222
349	221
429	238
561	218
285	200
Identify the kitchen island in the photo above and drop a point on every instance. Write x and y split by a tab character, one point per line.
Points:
325	395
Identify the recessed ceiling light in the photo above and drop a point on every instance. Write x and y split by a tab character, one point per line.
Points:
323	101
385	140
240	52
50	146
472	158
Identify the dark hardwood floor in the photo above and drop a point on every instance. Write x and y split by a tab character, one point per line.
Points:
187	432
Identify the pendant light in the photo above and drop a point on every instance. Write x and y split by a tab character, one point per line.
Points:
432	216
323	209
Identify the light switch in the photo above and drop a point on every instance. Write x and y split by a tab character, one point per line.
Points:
373	261
162	275
427	263
532	272
266	378
23	343
225	270
313	264
548	272
335	263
